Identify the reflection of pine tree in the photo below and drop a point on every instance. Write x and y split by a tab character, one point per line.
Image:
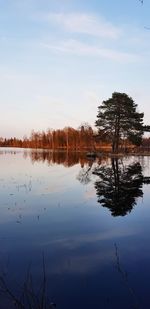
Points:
119	186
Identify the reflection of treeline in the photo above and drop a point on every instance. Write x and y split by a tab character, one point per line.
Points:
65	158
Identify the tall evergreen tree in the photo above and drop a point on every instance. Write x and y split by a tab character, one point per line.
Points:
118	118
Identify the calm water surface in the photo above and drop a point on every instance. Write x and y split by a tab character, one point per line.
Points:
90	220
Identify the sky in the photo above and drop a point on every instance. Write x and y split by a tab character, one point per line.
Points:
59	59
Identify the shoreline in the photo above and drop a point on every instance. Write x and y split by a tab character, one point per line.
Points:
88	153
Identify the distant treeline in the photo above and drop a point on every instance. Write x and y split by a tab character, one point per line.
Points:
68	138
83	138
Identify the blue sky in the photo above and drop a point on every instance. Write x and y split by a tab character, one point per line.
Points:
60	58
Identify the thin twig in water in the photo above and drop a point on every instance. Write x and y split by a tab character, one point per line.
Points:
29	299
125	279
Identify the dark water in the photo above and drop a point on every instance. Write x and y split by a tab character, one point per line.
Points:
89	220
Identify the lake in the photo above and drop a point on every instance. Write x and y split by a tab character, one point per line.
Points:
83	225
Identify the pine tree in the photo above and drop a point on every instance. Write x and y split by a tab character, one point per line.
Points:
118	119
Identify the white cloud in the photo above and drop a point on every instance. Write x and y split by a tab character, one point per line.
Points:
78	48
84	23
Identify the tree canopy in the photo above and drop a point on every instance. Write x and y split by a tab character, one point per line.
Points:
118	119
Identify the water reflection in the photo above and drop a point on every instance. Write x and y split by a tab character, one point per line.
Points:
66	159
119	186
44	209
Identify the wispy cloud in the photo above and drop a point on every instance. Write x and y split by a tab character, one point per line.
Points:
78	48
84	23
